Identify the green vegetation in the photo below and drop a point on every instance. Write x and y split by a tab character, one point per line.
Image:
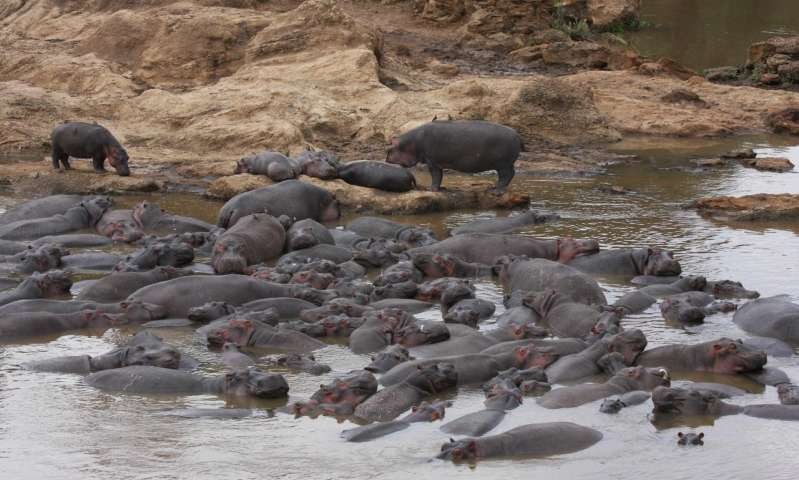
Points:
576	29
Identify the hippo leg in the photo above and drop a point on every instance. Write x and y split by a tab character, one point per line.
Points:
436	175
504	176
98	163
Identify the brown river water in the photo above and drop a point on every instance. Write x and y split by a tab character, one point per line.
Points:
54	426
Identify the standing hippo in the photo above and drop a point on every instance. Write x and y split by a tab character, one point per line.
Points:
534	440
117	286
774	317
470	146
720	356
505	224
86	214
88	140
628	262
155	380
274	165
253	239
293	198
366	173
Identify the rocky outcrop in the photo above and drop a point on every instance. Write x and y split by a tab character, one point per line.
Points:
769	164
601	14
784	121
750	207
773	63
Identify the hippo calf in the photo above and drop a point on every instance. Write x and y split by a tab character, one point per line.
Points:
366	173
88	140
274	165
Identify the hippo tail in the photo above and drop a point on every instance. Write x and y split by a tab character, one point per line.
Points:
521	144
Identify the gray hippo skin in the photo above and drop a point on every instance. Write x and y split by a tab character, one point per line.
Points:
424	412
639	300
484	248
580	365
118	286
789	394
474	424
293	198
391	401
302	362
692	307
84	215
615	404
23	325
10	247
307	233
366	173
51	284
233	358
626	380
33	259
74	240
97	261
88	140
563	316
41	208
274	165
253	239
690	438
720	356
505	224
538	274
155	380
469	146
143	349
319	164
252	333
437	265
149	216
628	262
389	358
120	226
773	317
386	327
670	403
382	228
181	294
534	440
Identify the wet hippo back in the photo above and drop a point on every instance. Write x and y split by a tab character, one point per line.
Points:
147	380
41	208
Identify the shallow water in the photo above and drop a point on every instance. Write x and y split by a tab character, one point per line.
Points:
53	426
711	33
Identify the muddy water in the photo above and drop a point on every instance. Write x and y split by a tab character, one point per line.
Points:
711	33
53	426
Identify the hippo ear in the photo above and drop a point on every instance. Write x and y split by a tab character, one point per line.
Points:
701	435
415	408
680	434
472	447
451	440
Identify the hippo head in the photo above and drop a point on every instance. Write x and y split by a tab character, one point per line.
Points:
314	279
118	158
434	378
96	208
124	231
41	259
401	152
435	265
417	236
98	319
455	293
243	165
388	359
528	357
690	438
228	256
733	356
154	354
629	344
351	389
405	289
175	254
236	330
429	412
306	363
694	283
568	248
459	451
341	326
210	311
414	335
330	211
611	405
467	317
55	283
534	387
642	378
319	164
657	262
304	237
725	289
145	213
504	395
542	302
137	311
682	401
255	382
608	323
312	295
612	363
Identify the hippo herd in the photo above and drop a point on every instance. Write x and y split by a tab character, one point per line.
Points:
278	278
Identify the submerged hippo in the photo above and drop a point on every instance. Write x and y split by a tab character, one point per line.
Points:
505	224
424	412
86	214
470	146
253	239
720	356
366	173
41	208
626	380
292	198
534	440
686	402
628	262
539	274
773	317
54	283
156	380
88	140
117	286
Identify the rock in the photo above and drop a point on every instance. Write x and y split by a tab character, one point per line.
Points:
445	69
442	11
784	121
789	71
683	95
227	187
709	162
722	74
775	61
750	207
769	164
769	79
740	153
666	67
605	14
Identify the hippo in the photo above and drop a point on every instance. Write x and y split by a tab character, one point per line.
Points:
475	367
539	274
34	259
389	358
409	305
772	346
253	239
10	247
720	356
692	307
469	146
424	412
319	164
690	438
670	403
377	252
143	349
118	286
54	283
378	175
160	253
391	326
474	424
58	306
341	396
296	199
120	226
302	362
615	404
403	271
503	395
580	365
155	380
340	326
563	316
533	440
69	240
477	342
274	165
788	393
86	214
682	285
181	294
505	224
437	265
251	333
298	259
306	233
233	358
149	216
381	228
96	261
88	140
628	262
627	380
24	325
391	401
484	248
469	312
729	289
339	307
44	207
773	317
